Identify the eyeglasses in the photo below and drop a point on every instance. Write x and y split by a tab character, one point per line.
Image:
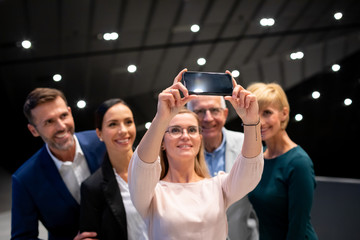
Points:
177	131
213	111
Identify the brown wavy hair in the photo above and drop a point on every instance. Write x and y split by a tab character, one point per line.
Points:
39	96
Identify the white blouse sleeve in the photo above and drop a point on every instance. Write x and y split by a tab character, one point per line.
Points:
142	180
243	178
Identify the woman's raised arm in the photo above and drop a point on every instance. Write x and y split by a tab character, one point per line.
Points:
169	104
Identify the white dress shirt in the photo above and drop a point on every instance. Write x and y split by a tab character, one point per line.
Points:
136	226
78	168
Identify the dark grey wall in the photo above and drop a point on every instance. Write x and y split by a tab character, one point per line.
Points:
336	209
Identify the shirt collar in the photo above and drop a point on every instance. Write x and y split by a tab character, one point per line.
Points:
78	153
222	145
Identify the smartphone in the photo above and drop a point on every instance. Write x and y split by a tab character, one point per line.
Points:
208	83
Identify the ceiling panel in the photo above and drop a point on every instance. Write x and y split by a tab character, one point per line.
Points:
155	36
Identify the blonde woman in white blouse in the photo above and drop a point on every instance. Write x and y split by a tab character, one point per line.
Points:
175	195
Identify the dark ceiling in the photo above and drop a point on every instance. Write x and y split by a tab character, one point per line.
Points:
155	36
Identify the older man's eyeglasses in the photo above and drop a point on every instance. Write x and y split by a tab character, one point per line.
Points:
177	131
213	111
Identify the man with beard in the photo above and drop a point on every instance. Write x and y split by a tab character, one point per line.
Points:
46	187
221	148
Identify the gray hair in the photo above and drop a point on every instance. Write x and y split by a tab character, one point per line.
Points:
190	105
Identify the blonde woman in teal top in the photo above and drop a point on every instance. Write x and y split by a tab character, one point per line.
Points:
283	198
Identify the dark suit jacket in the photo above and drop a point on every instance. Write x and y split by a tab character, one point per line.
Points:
39	193
102	207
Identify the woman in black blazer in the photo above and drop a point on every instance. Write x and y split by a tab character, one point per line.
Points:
106	207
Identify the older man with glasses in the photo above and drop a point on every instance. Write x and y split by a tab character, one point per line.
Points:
221	148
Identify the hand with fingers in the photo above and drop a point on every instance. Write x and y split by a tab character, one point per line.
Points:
86	236
170	100
244	103
169	104
246	106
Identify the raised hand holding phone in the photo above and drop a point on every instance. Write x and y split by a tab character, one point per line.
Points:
169	103
174	97
244	103
246	106
208	83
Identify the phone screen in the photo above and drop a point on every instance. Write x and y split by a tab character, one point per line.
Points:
208	83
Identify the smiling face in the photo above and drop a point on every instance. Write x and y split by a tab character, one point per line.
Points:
211	124
118	129
53	122
273	107
185	146
271	121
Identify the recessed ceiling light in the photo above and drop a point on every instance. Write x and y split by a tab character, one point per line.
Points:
57	77
335	67
338	15
195	28
315	95
147	125
235	73
201	61
81	104
347	102
296	55
132	68
26	44
267	22
298	117
110	36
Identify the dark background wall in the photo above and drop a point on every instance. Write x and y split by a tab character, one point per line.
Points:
335	212
329	130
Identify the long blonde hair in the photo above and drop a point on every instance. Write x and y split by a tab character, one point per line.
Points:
200	166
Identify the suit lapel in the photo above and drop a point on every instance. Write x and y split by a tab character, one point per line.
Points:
53	176
230	151
112	193
88	152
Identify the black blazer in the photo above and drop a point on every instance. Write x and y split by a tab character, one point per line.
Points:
102	208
